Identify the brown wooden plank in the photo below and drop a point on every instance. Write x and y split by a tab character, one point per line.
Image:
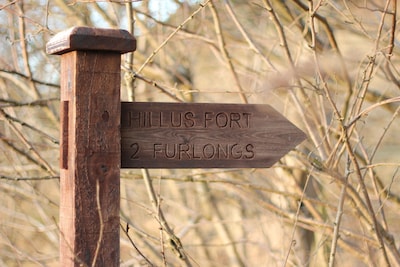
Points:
92	175
87	38
90	146
200	135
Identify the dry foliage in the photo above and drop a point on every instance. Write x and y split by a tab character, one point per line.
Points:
331	67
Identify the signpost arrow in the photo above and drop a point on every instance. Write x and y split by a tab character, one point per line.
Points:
198	135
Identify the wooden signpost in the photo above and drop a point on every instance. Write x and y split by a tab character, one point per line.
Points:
97	139
199	135
90	143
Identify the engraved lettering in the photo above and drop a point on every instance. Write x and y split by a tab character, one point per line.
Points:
234	120
174	121
163	123
157	148
151	119
223	152
197	135
135	151
170	154
207	118
194	152
208	151
236	152
189	121
250	151
145	119
221	119
247	116
227	119
184	150
134	119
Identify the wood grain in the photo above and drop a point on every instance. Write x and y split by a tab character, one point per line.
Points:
201	135
90	144
87	38
92	160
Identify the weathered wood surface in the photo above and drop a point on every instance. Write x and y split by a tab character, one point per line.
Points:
199	135
86	38
90	146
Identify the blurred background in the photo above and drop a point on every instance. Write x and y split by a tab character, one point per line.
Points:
330	67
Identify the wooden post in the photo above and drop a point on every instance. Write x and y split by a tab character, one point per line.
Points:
90	143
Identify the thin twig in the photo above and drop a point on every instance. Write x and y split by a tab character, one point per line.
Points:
372	107
302	221
156	84
126	231
174	241
27	143
210	202
184	32
129	79
338	219
13	103
33	128
246	35
224	51
26	77
333	42
165	42
346	139
367	199
299	103
300	203
39	178
23	153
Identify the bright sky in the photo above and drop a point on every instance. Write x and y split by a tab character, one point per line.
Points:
162	8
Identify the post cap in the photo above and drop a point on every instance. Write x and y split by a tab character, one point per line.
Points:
87	38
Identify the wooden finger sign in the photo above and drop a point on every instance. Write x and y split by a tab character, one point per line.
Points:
203	135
